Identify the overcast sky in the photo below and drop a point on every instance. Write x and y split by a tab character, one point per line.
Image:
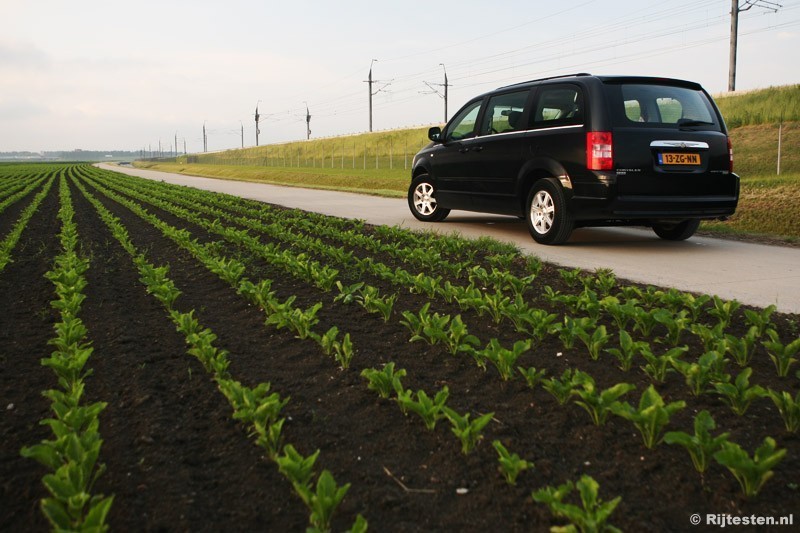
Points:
111	75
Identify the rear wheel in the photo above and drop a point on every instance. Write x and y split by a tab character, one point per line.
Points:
549	221
679	231
422	200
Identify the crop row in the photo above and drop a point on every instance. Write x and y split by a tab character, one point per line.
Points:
651	408
497	292
256	407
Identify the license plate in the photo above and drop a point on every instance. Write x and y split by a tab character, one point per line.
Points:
674	158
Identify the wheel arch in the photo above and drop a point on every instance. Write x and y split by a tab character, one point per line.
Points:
537	169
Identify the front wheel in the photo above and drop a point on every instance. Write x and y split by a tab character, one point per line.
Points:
679	231
422	200
549	220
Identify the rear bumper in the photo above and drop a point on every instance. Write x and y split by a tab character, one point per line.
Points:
603	202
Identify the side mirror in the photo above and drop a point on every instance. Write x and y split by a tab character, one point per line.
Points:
435	134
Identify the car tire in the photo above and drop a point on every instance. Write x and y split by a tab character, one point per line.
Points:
679	231
422	200
549	220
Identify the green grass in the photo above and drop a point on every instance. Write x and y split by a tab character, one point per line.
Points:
765	106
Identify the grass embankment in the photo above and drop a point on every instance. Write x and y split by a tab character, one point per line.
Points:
379	163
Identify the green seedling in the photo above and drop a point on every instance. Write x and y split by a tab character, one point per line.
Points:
429	409
723	310
385	381
532	376
788	407
657	366
651	416
590	517
628	349
751	473
598	403
701	446
709	368
468	431
783	355
510	463
502	358
562	388
739	394
594	342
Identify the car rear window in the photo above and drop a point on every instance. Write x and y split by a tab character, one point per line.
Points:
650	105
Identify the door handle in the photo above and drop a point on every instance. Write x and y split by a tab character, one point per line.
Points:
463	150
478	148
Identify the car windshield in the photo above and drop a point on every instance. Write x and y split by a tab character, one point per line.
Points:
663	106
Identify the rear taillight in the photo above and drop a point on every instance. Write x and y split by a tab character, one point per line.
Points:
730	155
599	150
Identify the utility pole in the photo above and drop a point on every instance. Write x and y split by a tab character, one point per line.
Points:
205	139
737	6
176	144
257	116
308	122
369	83
184	146
242	125
436	92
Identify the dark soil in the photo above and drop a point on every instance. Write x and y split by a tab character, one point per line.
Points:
177	460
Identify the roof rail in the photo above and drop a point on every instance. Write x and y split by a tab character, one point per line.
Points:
547	78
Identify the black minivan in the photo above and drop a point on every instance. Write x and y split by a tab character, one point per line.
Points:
582	150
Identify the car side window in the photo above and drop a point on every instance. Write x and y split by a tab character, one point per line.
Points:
558	105
463	125
504	113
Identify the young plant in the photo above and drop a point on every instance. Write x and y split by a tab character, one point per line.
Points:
628	349
751	473
348	293
651	416
385	381
591	516
760	319
783	355
788	408
572	328
723	310
741	349
429	409
708	369
598	403
532	375
468	431
510	463
739	394
675	323
324	501
701	446
562	388
657	366
297	468
457	337
374	303
502	358
594	342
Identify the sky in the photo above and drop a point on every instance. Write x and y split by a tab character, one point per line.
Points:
111	75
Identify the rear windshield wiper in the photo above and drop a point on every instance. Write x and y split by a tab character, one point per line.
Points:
688	122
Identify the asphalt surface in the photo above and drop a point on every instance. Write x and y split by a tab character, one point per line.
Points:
754	274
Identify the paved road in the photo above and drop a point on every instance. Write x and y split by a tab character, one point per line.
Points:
754	274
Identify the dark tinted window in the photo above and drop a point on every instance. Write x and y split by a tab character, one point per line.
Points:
504	113
463	125
558	105
662	105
